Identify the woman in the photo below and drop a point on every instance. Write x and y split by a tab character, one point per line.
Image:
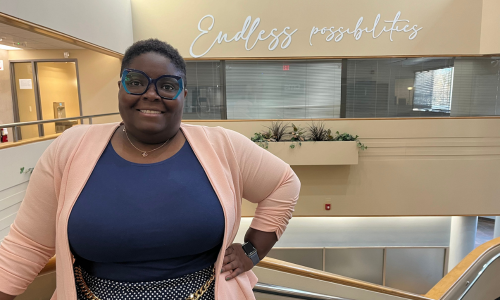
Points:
148	208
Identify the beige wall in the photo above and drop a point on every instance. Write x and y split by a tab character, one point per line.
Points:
104	23
412	168
448	26
490	27
98	73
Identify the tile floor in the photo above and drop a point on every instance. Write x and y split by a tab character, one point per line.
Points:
485	229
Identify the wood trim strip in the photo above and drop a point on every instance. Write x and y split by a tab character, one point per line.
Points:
28	141
282	266
49	267
381	216
19	23
450	280
338	57
346	119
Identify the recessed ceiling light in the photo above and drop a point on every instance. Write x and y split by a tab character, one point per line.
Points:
4	47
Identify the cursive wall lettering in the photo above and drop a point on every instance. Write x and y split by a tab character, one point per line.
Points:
251	35
338	34
245	34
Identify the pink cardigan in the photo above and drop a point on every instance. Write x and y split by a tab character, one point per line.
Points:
236	167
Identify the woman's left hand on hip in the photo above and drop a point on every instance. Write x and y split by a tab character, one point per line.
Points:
235	261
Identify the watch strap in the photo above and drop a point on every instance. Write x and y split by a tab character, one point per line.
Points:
251	252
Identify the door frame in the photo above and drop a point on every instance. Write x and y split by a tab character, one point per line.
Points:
38	103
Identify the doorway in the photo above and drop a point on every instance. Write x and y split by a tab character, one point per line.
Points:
45	90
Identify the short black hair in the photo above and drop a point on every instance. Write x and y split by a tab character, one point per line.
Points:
157	46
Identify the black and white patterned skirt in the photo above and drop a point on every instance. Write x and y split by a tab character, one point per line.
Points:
172	289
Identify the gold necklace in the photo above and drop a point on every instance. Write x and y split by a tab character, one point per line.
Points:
91	296
144	153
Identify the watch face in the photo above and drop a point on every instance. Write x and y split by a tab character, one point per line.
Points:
248	247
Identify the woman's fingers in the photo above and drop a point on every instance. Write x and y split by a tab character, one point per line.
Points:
234	273
235	261
228	259
229	251
230	265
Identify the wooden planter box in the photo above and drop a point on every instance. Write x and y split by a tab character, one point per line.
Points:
316	153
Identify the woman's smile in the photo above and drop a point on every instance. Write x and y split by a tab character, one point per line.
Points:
151	112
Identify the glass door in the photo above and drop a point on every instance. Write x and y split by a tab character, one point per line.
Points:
25	99
46	90
59	98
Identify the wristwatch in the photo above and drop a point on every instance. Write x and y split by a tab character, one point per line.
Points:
251	252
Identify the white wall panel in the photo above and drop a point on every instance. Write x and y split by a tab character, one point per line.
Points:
104	23
361	231
12	199
13	184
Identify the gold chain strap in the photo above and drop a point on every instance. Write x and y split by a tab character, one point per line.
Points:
88	293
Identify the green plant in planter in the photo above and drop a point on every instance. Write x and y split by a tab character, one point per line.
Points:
261	139
297	136
348	137
278	130
27	171
275	133
317	132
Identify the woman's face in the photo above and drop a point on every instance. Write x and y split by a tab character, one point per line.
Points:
151	126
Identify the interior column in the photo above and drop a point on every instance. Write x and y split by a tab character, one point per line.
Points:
462	239
496	233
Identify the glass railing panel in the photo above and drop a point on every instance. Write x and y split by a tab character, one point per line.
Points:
486	284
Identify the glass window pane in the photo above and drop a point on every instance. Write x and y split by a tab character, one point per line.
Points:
397	87
204	99
476	87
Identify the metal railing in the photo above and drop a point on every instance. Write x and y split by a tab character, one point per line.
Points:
15	126
291	293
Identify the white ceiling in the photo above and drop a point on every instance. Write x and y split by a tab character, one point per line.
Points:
11	35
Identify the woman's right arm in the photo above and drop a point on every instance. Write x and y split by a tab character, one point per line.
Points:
31	239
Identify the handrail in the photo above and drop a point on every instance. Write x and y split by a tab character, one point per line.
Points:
28	141
38	122
450	279
291	293
49	267
10	125
436	293
259	287
283	266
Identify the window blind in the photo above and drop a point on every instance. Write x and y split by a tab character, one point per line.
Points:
476	87
283	89
433	90
380	88
375	88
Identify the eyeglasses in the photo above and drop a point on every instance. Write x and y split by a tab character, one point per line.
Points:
136	82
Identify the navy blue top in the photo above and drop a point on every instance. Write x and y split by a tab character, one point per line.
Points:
146	222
